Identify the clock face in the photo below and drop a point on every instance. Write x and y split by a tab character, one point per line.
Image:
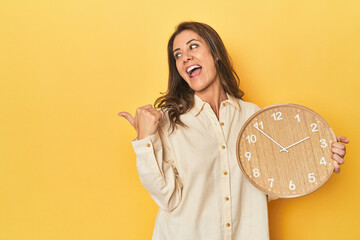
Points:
285	150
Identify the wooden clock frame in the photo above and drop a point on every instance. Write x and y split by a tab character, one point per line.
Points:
298	162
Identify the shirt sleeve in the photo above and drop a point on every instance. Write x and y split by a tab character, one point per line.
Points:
157	170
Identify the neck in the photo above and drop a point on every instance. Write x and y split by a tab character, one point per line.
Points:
214	96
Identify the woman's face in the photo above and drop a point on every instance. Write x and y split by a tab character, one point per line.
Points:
194	61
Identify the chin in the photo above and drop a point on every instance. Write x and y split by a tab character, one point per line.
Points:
198	88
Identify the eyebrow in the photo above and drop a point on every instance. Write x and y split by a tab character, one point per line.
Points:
187	43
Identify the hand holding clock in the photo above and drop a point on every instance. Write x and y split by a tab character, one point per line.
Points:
339	150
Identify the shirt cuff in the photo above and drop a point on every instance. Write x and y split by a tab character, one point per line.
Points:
148	144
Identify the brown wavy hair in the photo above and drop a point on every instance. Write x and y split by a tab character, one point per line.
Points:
179	97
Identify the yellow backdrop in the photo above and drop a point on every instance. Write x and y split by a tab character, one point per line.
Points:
67	168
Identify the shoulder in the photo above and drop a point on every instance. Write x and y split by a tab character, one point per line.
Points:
248	108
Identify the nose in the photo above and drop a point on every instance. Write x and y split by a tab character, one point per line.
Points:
187	57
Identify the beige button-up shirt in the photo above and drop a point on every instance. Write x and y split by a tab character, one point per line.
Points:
194	177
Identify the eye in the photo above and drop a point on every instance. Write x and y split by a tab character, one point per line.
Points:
177	55
193	46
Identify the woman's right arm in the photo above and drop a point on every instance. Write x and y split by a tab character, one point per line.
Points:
155	162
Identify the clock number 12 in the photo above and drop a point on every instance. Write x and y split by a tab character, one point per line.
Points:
277	116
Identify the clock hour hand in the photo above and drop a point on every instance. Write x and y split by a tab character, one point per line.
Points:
283	149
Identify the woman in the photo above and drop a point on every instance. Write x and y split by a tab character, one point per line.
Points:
186	150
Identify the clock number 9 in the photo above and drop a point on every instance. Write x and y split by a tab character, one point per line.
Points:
277	116
323	143
248	155
251	138
292	185
256	172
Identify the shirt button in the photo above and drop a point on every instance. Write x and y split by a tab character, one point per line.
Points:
148	145
222	124
226	199
228	224
223	146
224	104
225	173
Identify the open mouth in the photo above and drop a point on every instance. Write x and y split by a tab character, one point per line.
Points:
194	71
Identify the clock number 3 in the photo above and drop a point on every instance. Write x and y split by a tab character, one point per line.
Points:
323	143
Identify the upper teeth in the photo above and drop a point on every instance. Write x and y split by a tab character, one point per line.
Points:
192	68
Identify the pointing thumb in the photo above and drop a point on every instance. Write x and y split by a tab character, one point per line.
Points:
128	117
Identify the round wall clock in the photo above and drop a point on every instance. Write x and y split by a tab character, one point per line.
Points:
285	150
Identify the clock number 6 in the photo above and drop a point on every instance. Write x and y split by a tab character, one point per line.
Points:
292	185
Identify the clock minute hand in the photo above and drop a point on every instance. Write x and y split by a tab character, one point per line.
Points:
294	144
283	149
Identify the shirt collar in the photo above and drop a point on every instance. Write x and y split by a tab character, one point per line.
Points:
199	104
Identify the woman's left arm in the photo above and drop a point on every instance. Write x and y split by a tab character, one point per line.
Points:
339	150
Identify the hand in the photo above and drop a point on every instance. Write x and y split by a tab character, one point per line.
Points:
294	144
145	122
339	150
283	149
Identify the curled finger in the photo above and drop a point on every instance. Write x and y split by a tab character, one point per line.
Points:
336	167
338	151
338	159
